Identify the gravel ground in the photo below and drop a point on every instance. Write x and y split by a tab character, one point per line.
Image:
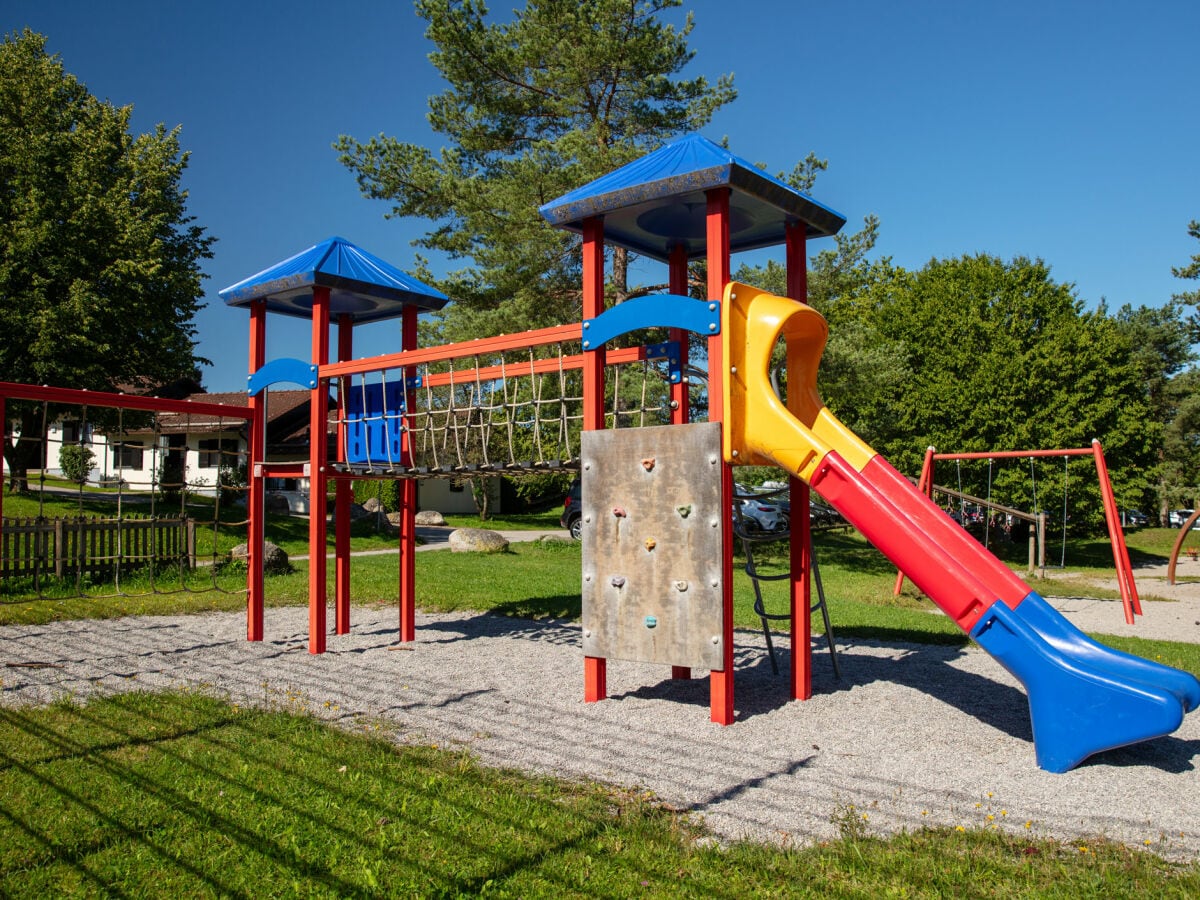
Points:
911	735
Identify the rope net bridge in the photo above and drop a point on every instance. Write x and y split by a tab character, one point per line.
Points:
509	412
123	496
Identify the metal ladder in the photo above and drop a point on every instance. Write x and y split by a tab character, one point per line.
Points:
749	539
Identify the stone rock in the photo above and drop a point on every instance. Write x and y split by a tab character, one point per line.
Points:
372	505
275	558
430	517
394	519
477	540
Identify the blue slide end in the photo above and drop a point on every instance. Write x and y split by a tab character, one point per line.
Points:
1083	697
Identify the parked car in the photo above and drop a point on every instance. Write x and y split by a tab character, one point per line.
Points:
1177	517
757	514
1134	518
572	513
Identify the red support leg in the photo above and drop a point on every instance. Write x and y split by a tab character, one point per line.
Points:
595	669
677	280
408	500
317	476
595	678
344	492
256	498
801	594
717	232
795	237
1129	595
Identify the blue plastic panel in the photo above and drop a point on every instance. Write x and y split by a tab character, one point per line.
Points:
653	311
375	423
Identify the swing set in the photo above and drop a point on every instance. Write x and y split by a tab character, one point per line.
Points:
926	484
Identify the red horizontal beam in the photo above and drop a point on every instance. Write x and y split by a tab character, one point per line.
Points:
1015	454
479	347
538	367
12	391
282	470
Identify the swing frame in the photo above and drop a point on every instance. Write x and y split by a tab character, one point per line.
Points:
1129	596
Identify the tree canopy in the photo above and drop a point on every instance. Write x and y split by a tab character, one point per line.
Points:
536	106
99	260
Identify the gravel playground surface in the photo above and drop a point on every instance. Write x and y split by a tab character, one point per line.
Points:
911	735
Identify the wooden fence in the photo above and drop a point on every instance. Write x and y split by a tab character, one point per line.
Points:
67	547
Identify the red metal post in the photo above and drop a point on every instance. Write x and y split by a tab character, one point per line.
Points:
677	280
677	283
717	235
1129	594
3	437
344	491
317	476
255	501
795	235
408	495
595	668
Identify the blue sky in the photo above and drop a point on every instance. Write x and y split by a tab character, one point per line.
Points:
1058	129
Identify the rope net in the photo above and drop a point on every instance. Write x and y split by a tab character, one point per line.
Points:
117	503
513	413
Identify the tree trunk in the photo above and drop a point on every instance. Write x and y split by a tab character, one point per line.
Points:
620	275
481	495
24	453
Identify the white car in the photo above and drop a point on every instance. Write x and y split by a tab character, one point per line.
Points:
1177	517
759	515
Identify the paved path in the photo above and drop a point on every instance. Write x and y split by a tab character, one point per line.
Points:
1169	612
435	537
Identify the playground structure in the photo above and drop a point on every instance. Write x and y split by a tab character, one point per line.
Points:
658	534
927	484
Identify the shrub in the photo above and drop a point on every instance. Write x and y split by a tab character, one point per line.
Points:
76	462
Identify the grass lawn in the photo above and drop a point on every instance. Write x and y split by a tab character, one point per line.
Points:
181	794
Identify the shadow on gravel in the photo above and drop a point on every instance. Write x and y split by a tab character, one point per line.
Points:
923	667
490	624
1170	754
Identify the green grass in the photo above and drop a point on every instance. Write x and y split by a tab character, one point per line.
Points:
543	521
180	794
536	580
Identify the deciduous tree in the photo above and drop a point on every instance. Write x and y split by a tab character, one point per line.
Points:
99	260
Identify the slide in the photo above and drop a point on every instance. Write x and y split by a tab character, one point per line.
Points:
1083	697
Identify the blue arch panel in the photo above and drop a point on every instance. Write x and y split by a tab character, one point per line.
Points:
653	311
295	371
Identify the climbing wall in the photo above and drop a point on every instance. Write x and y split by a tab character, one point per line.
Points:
652	554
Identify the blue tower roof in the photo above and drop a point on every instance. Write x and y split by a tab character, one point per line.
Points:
361	285
657	201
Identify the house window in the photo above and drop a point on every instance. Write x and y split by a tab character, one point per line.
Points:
217	452
128	456
72	433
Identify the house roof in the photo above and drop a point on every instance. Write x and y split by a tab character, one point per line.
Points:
362	286
654	203
281	405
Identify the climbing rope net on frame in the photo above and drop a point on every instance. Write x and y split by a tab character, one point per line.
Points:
516	412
